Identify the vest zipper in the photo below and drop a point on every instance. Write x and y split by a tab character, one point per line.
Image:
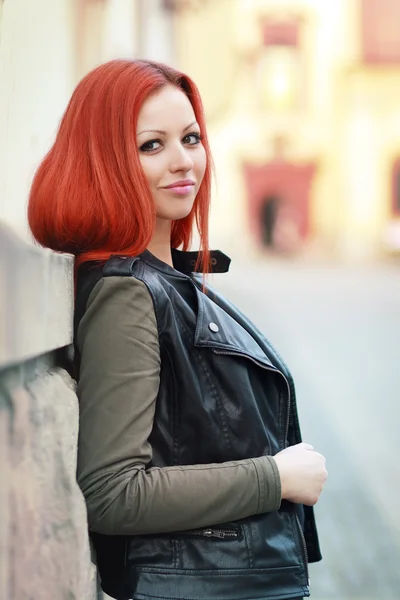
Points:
211	533
260	364
273	369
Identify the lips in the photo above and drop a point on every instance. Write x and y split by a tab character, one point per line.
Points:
183	187
181	183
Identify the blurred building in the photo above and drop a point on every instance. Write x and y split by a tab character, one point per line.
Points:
303	105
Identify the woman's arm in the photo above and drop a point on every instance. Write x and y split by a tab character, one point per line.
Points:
119	380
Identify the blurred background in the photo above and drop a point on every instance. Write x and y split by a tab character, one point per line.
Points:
302	99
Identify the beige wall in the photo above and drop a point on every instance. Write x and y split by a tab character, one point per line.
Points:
368	141
36	79
46	47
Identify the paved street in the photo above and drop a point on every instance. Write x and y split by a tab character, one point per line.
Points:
338	327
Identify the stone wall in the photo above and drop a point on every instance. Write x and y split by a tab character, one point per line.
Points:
45	47
44	550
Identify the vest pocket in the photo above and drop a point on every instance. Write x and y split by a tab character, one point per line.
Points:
213	548
150	550
220	533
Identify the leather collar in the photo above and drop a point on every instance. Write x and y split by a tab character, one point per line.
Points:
186	261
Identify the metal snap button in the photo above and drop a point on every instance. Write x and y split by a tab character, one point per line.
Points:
214	327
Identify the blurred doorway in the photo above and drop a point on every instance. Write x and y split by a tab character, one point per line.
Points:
391	235
396	188
268	214
279	203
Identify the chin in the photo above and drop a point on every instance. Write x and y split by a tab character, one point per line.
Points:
176	213
181	214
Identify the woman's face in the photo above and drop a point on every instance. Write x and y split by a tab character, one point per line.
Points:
171	152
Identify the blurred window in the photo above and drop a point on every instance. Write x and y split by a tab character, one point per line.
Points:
280	34
279	67
380	26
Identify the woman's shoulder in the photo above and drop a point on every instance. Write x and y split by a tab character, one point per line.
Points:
128	282
99	290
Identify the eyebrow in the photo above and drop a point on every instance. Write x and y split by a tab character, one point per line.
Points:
164	132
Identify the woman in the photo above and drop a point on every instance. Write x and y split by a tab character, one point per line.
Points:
190	461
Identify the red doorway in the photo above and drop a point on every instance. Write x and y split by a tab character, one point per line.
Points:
396	189
279	203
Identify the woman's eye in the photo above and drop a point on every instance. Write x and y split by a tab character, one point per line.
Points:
192	139
150	146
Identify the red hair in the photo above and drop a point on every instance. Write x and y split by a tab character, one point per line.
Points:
90	196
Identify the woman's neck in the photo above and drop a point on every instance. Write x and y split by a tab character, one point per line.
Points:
160	243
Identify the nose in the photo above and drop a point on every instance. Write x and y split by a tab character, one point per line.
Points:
180	159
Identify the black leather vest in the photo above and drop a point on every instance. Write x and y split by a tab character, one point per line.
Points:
225	394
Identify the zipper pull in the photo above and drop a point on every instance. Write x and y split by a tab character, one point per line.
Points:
218	533
213	533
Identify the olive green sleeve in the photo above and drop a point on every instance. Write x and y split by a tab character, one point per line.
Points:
118	385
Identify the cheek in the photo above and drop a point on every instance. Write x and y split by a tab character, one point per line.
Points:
201	162
151	168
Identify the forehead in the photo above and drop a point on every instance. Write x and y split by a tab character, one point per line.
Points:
166	108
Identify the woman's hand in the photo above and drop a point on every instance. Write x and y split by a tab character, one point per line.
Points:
302	472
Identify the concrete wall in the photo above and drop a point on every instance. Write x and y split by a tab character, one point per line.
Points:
46	46
44	549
